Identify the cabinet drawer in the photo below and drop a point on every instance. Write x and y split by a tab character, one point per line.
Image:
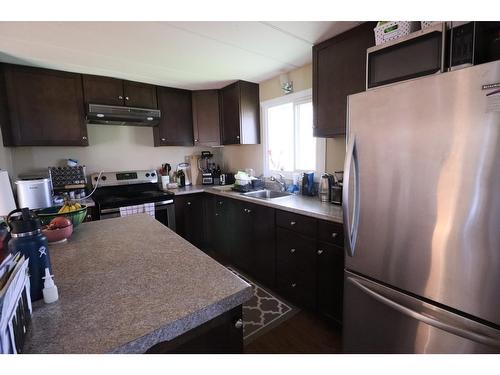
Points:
298	288
298	223
294	251
331	232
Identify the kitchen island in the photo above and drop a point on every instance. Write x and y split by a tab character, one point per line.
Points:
130	283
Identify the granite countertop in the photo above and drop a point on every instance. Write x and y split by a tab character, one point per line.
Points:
126	284
300	204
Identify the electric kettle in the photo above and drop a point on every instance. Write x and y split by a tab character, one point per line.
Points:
324	188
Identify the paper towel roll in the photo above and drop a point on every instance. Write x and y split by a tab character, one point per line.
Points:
7	203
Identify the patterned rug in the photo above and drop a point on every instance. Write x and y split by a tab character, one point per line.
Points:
263	311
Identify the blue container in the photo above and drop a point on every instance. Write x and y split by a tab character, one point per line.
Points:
308	184
27	238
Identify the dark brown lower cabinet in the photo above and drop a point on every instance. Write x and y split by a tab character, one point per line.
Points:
264	245
299	257
296	267
242	249
221	335
330	280
189	218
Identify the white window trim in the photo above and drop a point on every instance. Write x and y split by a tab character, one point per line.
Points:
297	97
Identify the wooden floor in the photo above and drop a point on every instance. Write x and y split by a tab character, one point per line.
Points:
304	333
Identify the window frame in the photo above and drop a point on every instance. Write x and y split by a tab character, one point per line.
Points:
296	98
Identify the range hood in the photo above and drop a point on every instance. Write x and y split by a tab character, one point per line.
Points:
119	115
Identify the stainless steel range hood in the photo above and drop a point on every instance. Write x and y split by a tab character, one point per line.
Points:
119	115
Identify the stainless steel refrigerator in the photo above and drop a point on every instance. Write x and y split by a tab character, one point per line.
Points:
422	216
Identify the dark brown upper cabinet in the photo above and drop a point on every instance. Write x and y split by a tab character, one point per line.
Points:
140	95
339	70
42	107
206	119
176	123
240	114
113	91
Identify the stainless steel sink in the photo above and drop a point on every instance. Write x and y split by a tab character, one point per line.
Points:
267	194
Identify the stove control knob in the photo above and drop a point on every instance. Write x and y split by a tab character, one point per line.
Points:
153	174
147	174
103	178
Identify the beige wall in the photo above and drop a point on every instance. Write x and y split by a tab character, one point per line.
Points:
112	148
251	156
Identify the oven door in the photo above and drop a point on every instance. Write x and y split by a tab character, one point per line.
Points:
164	213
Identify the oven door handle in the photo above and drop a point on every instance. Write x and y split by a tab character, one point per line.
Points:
158	206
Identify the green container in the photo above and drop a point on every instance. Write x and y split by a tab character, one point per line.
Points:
76	217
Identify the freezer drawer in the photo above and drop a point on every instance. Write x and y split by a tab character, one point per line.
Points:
378	319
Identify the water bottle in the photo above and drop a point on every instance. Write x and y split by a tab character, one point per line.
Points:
27	238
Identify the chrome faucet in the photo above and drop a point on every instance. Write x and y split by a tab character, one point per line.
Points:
280	180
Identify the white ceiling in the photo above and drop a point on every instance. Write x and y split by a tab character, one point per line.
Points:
191	55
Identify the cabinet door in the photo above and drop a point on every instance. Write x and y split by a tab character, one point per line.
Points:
189	218
140	95
223	227
230	107
176	123
206	121
330	280
264	248
339	69
45	107
103	90
243	238
296	267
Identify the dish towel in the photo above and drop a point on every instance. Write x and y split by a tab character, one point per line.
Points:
147	208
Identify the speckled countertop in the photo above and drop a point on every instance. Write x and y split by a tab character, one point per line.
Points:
126	284
300	204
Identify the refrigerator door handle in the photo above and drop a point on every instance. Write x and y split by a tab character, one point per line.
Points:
351	229
429	314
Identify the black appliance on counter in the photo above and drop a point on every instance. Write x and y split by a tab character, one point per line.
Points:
226	179
337	179
130	188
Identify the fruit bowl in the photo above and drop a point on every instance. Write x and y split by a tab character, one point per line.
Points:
76	217
57	235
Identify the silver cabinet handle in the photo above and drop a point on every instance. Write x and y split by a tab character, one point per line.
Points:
216	214
334	234
84	138
249	211
237	137
196	140
292	223
220	203
238	324
320	252
189	203
120	97
126	98
293	285
292	251
244	210
163	139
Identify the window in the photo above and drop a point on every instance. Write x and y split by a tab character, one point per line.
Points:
289	145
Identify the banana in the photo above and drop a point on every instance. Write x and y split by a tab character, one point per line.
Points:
69	207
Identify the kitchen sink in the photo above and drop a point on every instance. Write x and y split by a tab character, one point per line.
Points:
267	194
